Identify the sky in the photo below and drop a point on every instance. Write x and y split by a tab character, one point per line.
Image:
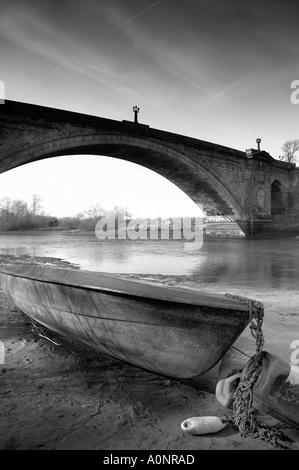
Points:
216	70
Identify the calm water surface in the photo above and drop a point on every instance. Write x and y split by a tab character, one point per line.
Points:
236	263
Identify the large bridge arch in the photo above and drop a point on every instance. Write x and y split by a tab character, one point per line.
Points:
190	176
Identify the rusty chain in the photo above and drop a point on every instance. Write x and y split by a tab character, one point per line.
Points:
244	414
256	312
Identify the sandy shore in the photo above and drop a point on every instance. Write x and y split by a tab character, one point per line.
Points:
66	396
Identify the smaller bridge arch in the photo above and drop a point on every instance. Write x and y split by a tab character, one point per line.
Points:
277	198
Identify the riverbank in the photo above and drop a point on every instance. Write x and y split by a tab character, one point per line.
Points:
57	394
211	231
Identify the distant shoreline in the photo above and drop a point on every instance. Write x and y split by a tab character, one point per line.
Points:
206	236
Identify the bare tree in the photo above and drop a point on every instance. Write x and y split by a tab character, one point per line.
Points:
289	149
36	205
5	211
95	212
19	208
6	204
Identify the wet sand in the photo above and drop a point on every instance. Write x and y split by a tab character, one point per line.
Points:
67	396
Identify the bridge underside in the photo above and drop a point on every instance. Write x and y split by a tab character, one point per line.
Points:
197	186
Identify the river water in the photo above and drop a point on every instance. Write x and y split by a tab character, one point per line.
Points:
267	270
223	263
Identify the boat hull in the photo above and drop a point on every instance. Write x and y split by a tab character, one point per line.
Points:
171	338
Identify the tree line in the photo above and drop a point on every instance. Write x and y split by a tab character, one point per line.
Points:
87	220
16	214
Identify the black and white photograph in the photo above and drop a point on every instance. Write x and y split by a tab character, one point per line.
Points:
149	228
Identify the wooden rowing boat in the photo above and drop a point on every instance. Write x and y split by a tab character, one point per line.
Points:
176	332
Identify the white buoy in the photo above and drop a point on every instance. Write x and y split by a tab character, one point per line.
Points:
203	425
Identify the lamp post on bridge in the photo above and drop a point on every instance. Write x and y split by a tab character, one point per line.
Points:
136	111
258	141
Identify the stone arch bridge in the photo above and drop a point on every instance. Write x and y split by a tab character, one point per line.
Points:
257	191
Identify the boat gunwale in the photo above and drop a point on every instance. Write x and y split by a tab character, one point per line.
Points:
231	303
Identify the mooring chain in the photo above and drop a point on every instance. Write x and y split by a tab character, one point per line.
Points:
244	415
256	312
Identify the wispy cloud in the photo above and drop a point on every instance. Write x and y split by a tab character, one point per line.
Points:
241	80
28	35
186	59
175	60
68	61
25	39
